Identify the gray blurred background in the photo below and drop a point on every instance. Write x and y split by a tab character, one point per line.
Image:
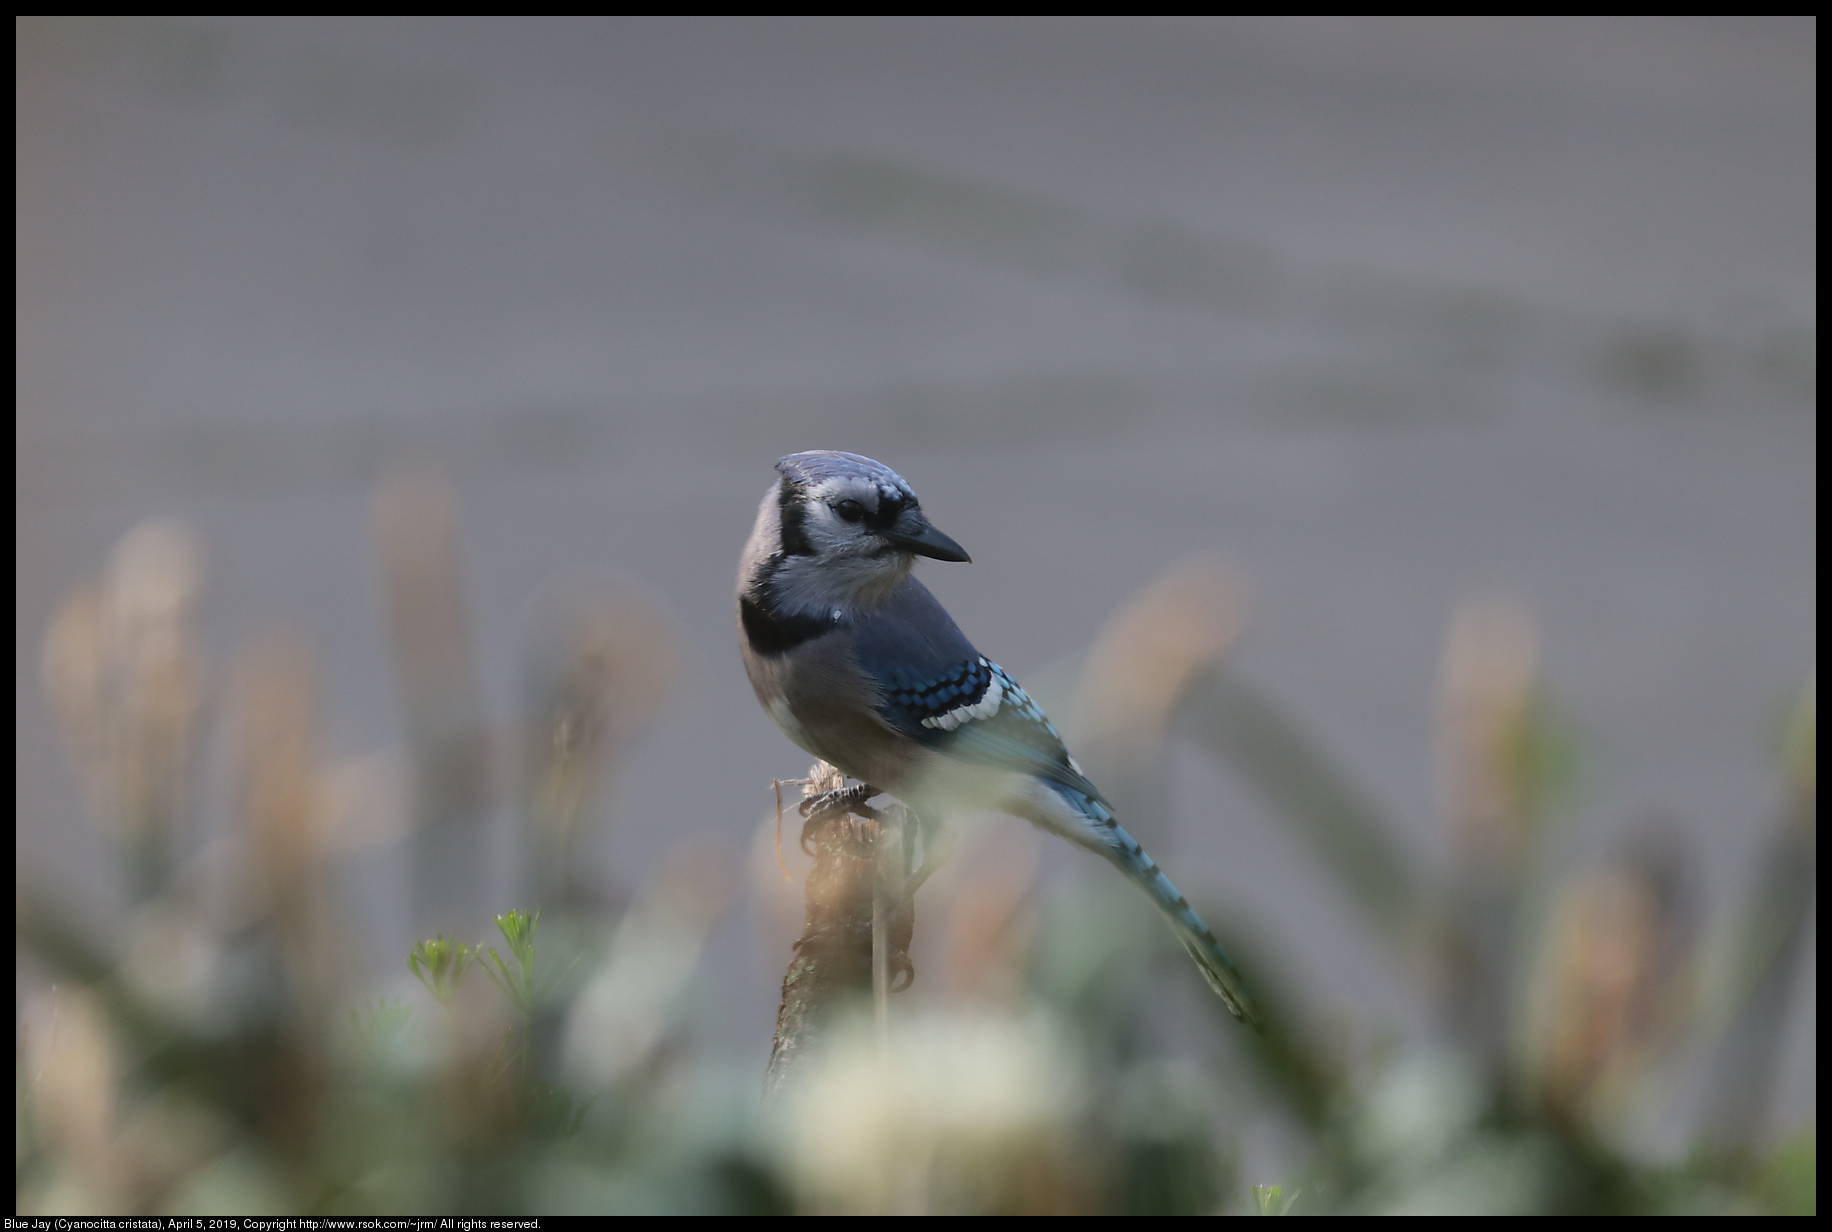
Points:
1384	312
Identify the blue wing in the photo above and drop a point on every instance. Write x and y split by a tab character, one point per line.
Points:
937	689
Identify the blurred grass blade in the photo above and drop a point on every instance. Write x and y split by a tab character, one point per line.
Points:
1758	965
1293	774
1135	674
1766	965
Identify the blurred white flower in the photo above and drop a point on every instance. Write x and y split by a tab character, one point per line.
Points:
172	961
951	1115
1417	1110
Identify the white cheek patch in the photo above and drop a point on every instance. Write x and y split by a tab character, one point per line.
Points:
831	534
985	708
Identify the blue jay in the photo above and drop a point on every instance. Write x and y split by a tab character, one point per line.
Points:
859	664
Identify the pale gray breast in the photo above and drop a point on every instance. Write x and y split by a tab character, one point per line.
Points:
819	697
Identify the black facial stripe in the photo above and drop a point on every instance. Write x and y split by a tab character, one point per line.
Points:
772	633
889	509
793	514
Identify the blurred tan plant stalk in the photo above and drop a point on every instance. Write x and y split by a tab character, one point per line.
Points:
284	807
595	673
125	679
1607	998
416	528
1491	781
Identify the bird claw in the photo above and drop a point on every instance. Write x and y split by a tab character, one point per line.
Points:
851	799
818	809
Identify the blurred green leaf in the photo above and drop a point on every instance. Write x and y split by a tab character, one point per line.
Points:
1789	1184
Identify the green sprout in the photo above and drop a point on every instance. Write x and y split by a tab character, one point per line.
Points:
554	1112
379	1023
1271	1200
440	963
517	983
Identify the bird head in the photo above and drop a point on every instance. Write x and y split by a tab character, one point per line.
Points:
838	529
840	505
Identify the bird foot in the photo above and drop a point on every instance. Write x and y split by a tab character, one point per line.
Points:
845	801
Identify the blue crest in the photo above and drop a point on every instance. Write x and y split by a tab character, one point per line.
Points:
816	466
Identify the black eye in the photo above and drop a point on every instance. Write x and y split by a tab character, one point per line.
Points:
849	510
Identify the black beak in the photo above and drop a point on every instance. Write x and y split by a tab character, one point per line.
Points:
928	542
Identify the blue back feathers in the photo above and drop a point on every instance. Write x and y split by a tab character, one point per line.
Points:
938	690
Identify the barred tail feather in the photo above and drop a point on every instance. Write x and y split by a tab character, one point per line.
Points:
1197	938
1105	836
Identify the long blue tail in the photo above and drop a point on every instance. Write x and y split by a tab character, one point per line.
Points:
1125	853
